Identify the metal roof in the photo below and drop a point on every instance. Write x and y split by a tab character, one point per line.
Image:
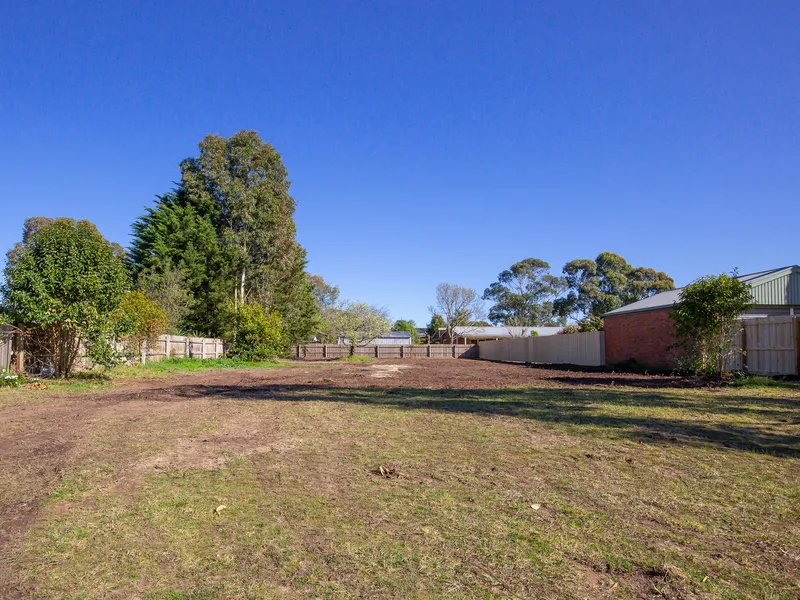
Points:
487	333
773	287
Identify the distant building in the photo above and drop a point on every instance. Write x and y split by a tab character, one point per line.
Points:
392	338
473	335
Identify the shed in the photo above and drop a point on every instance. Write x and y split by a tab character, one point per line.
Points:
642	332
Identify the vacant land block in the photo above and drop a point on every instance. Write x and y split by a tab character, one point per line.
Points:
400	479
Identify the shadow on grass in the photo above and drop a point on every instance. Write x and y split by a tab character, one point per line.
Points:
717	424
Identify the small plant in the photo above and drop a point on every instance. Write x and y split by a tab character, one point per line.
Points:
11	378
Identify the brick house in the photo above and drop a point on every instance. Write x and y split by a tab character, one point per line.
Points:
642	333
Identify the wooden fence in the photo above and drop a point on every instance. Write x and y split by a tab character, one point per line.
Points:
587	349
331	351
184	347
769	346
6	349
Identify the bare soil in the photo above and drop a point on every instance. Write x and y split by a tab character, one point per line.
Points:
42	442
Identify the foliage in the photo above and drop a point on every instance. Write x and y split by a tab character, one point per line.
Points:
139	321
176	244
606	283
10	378
436	323
707	318
256	335
524	294
458	306
325	295
569	329
229	227
169	289
356	323
409	326
64	285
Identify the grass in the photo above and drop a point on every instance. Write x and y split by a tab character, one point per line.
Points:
183	365
355	358
415	493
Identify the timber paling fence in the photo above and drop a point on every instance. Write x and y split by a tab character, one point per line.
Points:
331	351
585	349
6	348
166	346
769	346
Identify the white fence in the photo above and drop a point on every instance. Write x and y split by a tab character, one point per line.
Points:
586	349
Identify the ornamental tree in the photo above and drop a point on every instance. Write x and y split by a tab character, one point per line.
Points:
356	323
64	285
707	319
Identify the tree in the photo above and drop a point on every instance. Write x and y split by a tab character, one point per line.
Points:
707	318
325	295
230	228
604	284
523	295
138	321
409	326
436	323
176	243
170	290
357	323
459	307
64	285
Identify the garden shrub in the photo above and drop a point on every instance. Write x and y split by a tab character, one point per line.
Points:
256	334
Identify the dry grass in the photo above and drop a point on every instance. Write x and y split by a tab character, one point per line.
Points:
241	490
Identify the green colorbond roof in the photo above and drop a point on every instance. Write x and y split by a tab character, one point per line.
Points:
776	287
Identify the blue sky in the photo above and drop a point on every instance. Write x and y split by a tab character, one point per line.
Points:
426	141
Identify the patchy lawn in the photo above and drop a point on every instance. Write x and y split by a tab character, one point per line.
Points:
401	479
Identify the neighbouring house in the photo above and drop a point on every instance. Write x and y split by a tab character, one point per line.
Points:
473	335
392	338
643	332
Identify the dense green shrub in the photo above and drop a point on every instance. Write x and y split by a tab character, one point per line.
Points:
63	284
139	320
257	334
707	319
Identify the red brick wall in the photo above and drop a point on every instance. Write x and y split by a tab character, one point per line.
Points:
642	337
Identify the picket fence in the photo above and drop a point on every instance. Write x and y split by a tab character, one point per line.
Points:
331	351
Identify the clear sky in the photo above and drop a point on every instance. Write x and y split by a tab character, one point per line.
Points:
426	141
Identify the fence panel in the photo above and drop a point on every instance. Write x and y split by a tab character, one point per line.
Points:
770	345
6	342
331	351
586	349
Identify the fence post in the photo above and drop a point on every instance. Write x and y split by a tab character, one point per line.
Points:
376	350
401	350
429	350
324	350
19	339
144	352
167	346
744	347
796	345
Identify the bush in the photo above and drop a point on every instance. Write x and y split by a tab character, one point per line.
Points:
567	329
11	379
63	284
139	320
256	334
